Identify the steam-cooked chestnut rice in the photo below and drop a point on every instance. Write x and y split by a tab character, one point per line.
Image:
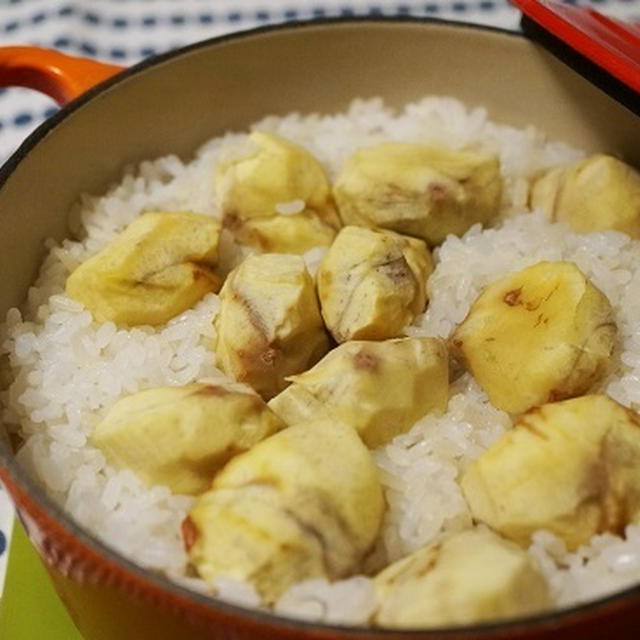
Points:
344	506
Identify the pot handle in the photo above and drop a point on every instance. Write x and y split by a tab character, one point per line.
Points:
60	76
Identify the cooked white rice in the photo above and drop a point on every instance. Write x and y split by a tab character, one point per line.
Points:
68	370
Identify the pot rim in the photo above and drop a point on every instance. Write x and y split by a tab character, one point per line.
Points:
163	585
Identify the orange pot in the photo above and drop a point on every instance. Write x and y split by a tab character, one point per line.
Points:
170	104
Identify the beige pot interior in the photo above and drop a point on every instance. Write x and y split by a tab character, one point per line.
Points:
176	104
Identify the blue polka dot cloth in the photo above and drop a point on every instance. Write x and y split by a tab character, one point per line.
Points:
126	31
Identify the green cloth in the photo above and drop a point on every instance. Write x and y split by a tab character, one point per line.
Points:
30	608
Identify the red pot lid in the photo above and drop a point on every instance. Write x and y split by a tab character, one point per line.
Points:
603	49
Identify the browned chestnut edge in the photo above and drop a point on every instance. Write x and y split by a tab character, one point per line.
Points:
91	560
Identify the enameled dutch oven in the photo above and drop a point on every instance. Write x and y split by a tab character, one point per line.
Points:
170	104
